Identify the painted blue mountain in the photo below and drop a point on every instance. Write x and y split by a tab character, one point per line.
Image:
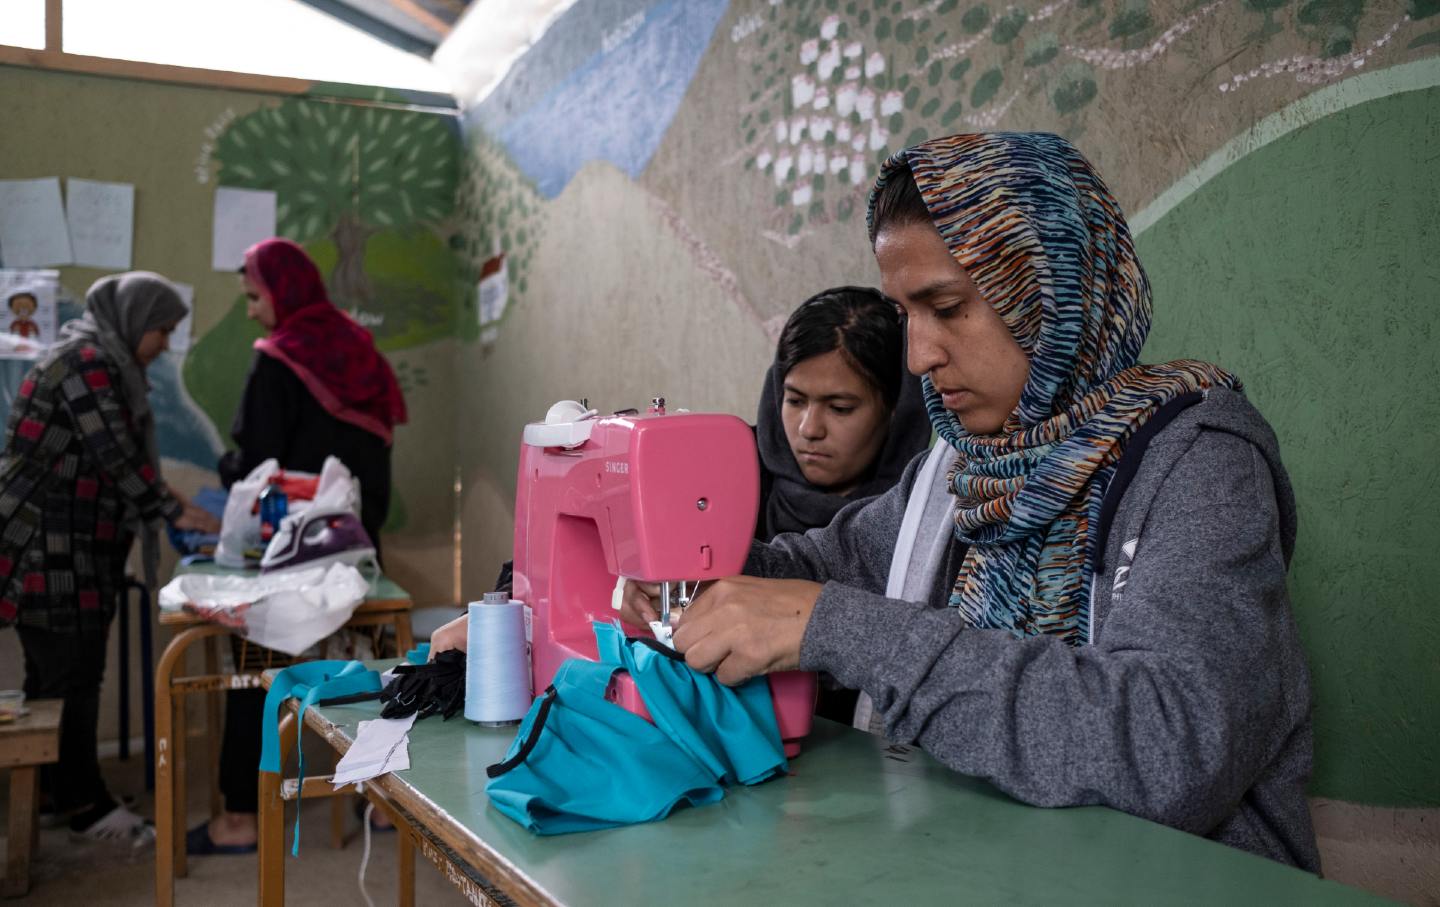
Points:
630	64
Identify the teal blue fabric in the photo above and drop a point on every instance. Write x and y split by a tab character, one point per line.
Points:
309	682
596	765
418	655
730	730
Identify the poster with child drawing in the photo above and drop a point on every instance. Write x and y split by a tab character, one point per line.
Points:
27	312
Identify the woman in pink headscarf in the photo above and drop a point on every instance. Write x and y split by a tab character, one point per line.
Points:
318	387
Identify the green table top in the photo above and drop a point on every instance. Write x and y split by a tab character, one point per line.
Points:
858	820
382	588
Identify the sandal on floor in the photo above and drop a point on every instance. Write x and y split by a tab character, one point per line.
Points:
199	844
119	824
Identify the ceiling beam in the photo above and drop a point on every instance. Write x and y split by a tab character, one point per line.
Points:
373	26
422	15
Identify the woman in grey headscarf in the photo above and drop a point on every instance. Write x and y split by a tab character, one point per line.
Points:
79	477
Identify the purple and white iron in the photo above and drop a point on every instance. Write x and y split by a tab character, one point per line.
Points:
316	537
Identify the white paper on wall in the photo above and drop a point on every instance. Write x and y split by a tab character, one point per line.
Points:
101	218
28	312
180	337
243	217
32	224
494	296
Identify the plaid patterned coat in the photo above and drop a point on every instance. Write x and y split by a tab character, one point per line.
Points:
73	460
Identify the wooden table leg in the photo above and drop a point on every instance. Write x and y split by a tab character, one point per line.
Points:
24	800
406	865
213	703
271	821
164	782
404	636
179	815
338	804
170	766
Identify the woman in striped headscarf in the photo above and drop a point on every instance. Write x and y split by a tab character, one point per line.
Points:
1079	593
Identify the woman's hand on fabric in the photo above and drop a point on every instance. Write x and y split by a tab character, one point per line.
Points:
451	636
197	519
640	603
744	626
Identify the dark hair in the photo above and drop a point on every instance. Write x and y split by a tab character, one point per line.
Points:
10	303
860	322
898	203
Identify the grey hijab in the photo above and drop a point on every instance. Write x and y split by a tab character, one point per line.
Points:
119	309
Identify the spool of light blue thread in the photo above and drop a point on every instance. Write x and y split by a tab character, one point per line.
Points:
497	662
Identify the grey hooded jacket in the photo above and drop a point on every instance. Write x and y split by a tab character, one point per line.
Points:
1191	705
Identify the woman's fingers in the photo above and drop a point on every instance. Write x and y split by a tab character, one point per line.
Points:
451	636
197	519
637	605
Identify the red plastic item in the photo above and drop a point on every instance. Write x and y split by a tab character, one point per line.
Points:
296	488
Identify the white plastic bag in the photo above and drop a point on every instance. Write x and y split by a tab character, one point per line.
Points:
337	487
240	528
289	610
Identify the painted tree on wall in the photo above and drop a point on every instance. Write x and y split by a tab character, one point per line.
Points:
342	172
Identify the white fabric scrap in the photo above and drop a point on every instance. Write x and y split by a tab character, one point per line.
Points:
381	746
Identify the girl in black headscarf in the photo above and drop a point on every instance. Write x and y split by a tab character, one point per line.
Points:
839	417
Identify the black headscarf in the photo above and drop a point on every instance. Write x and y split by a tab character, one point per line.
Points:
795	505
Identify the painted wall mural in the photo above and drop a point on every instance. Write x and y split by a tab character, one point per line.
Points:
799	102
367	188
613	96
834	87
502	222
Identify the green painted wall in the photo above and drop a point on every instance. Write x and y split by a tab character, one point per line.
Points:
1308	268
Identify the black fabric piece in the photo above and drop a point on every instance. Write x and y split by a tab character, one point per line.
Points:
505	582
240	750
426	689
500	768
658	646
835	702
70	667
279	417
1130	464
791	504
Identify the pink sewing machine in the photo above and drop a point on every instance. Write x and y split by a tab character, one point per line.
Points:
667	498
